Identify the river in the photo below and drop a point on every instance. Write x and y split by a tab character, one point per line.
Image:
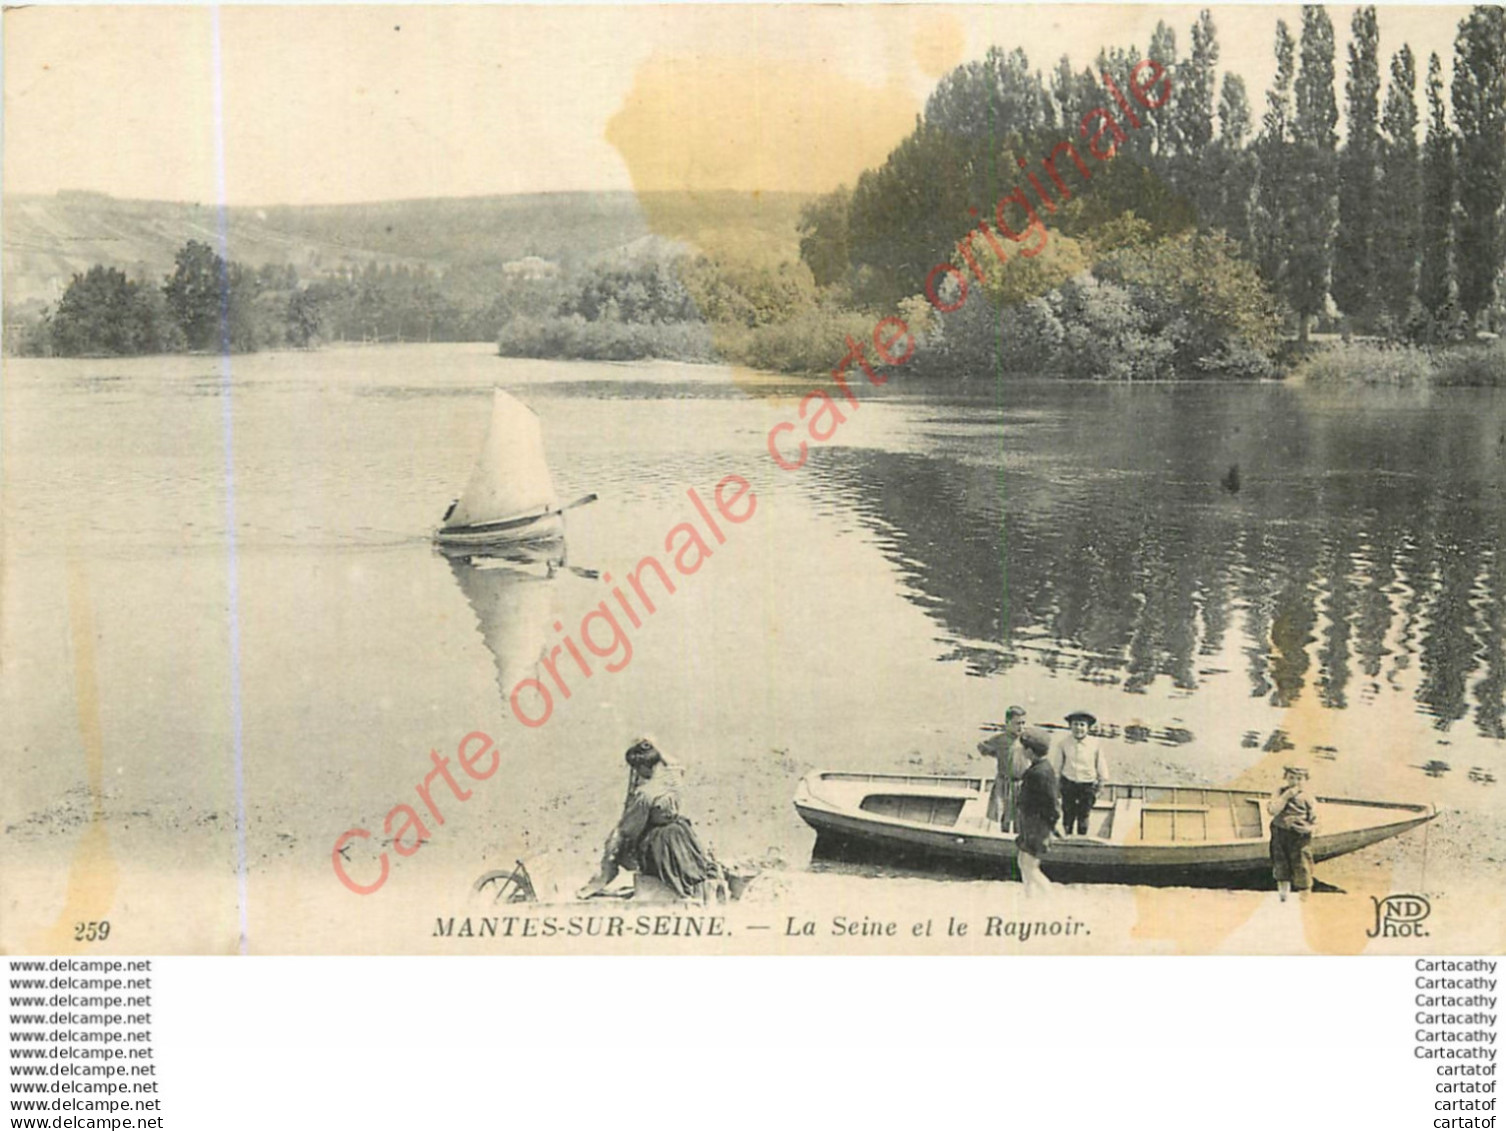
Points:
207	569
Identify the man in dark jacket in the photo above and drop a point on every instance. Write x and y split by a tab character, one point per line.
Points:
1040	807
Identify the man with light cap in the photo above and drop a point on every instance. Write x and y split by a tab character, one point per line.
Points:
1078	759
1293	818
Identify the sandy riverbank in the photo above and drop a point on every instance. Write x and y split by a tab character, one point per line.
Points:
166	876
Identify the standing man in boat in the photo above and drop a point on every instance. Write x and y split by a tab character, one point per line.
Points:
1078	758
1039	803
1293	818
1009	750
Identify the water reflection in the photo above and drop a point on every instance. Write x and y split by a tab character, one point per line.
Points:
511	589
1351	548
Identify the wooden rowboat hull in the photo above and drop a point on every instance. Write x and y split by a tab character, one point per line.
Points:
939	823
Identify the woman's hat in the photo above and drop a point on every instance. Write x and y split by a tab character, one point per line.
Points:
1092	718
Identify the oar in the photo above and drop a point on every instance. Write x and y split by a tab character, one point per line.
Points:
1050	726
1102	730
588	574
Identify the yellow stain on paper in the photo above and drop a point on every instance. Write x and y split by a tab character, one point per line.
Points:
704	136
709	124
94	873
938	44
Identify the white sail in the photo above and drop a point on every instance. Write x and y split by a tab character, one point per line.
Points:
511	478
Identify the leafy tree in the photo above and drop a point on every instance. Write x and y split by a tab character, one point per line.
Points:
26	332
1199	280
823	237
305	318
1434	288
251	322
1479	99
1354	277
104	313
1150	309
908	213
1399	208
649	291
991	97
198	295
1073	93
1018	279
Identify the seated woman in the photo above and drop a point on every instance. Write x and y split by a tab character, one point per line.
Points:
652	838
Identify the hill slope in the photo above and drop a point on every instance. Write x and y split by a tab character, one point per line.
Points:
47	239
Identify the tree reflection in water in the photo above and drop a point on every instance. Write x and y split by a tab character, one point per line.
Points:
1095	531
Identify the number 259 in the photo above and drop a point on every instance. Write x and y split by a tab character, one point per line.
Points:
91	932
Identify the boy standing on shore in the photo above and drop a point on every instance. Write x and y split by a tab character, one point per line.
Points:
1293	818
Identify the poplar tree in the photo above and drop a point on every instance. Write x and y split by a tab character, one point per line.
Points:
1312	215
1273	152
1233	113
1479	98
1433	289
1359	167
1196	82
1399	210
1192	114
1162	126
1232	166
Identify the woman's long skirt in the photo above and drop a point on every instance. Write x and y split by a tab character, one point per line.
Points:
672	854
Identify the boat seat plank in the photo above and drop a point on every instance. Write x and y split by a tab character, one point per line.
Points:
1126	820
1249	822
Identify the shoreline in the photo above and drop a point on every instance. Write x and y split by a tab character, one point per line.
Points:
1334	366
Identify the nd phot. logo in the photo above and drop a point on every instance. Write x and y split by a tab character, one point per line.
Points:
1400	917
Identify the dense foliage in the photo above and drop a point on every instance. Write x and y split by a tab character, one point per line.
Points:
1074	222
1373	234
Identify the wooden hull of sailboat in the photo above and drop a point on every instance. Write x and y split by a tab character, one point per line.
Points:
1137	833
547	527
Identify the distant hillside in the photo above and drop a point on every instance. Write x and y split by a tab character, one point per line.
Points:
47	239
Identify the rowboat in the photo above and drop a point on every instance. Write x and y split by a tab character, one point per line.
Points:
509	497
1136	834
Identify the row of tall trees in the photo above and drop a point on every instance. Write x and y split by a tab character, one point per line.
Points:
1410	238
1394	228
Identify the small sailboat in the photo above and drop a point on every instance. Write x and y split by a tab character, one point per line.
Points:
510	496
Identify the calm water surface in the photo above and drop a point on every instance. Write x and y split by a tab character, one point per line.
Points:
1216	571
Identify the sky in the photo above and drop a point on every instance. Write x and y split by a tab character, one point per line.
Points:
328	104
